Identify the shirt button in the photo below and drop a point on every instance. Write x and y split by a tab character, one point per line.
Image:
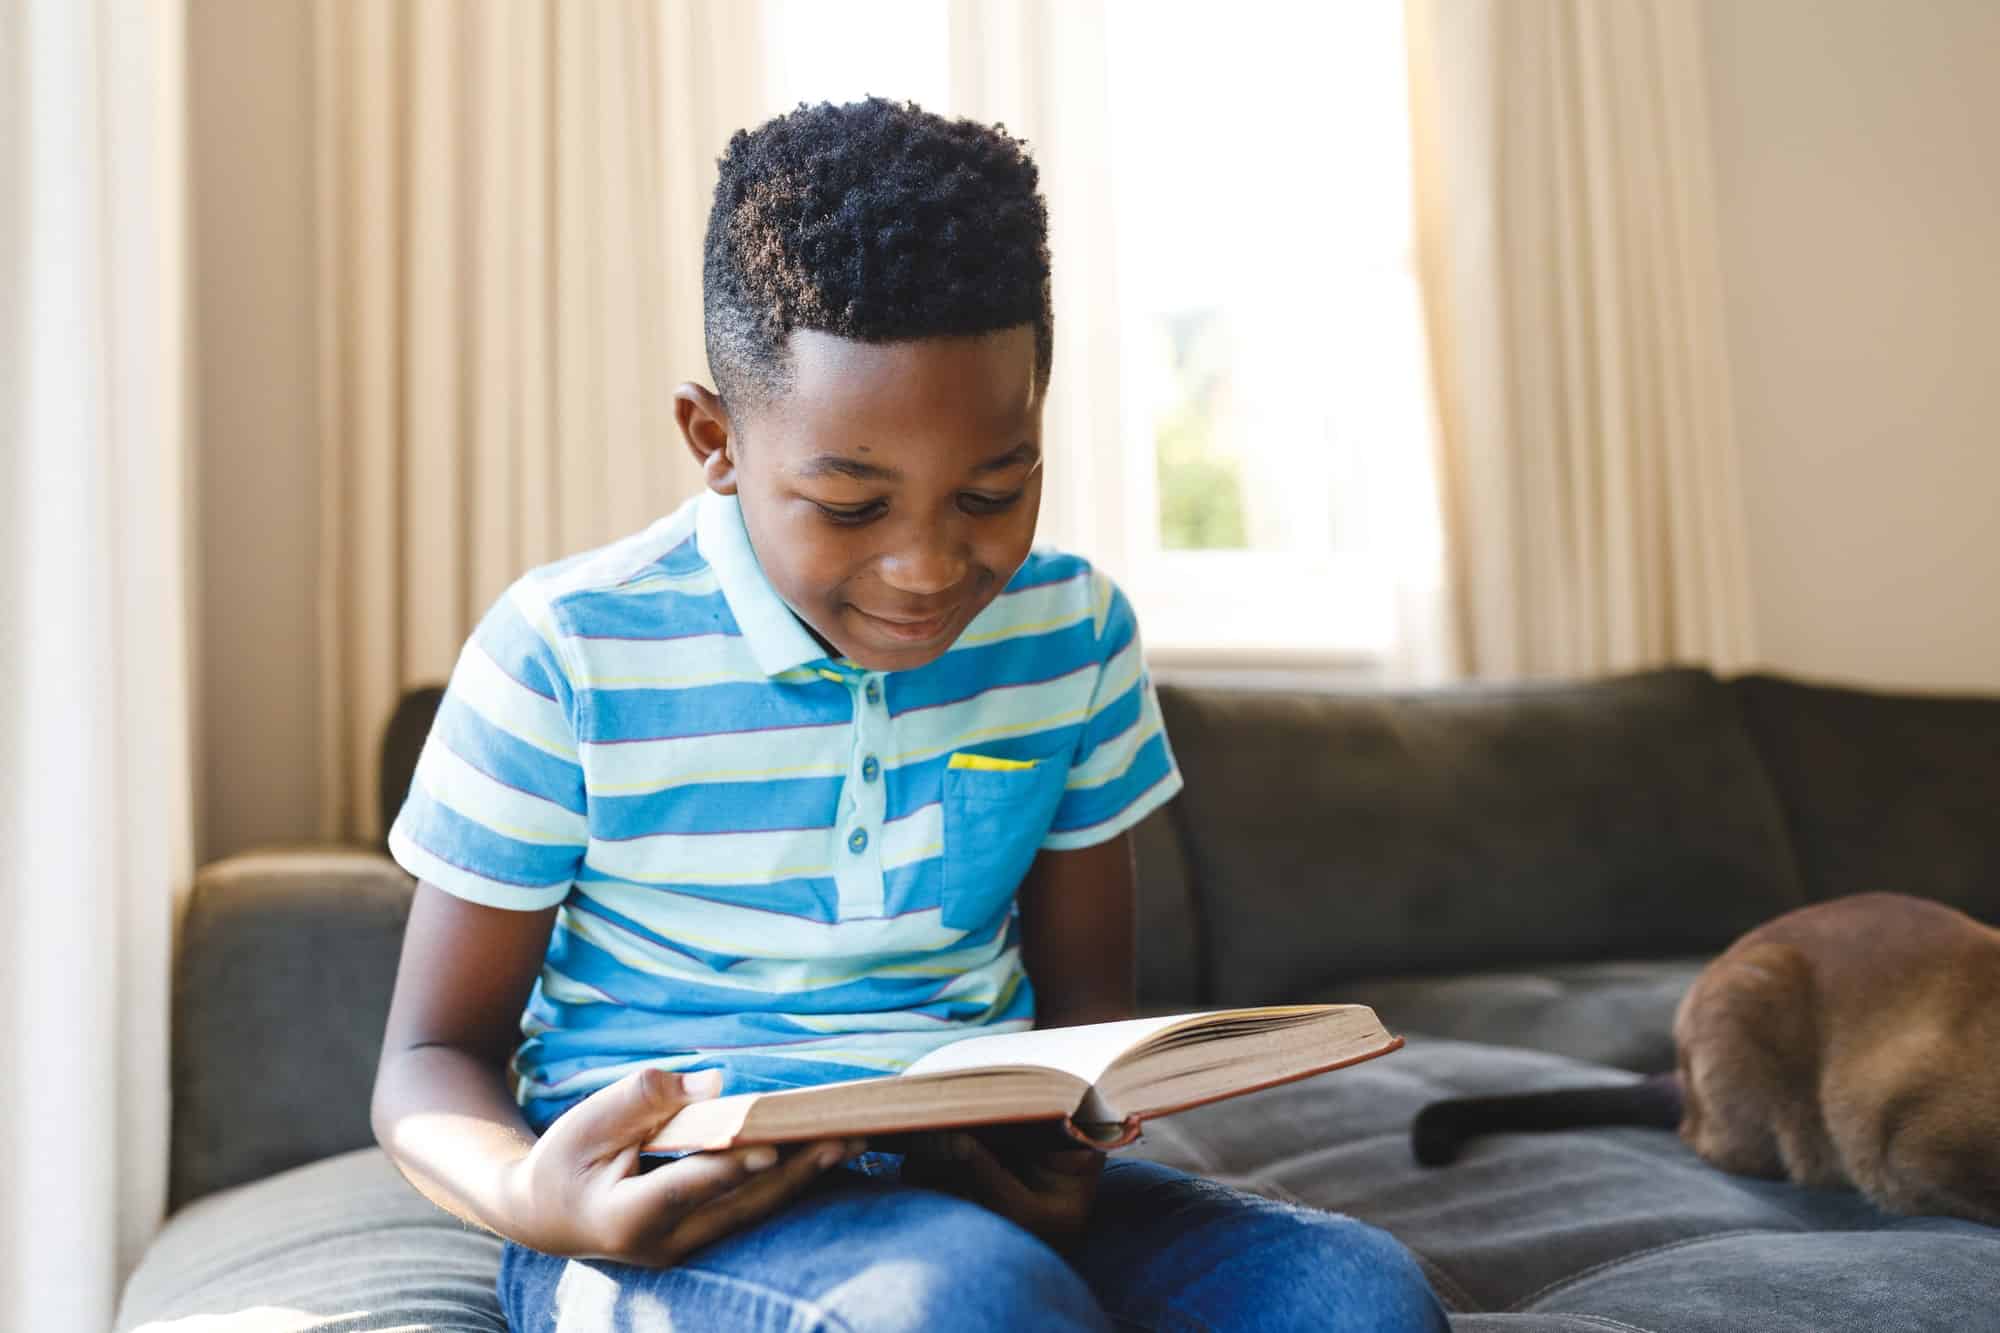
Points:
871	769
874	692
857	841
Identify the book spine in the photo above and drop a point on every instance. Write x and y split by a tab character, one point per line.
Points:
1128	1132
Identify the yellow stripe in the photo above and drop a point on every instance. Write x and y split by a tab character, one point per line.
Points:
833	1055
597	682
1017	729
633	951
1112	696
704	580
1123	769
919	856
1016	631
986	763
758	877
724	775
629	950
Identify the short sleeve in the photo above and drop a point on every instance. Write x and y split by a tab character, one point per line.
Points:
1123	768
496	812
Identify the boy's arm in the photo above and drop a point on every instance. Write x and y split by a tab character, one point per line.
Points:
1076	933
441	1107
443	1113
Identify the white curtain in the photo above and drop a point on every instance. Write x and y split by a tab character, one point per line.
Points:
1038	66
94	795
511	199
1566	238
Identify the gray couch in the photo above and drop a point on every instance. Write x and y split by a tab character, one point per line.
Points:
1520	880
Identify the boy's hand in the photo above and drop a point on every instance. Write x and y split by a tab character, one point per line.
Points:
1046	1191
580	1193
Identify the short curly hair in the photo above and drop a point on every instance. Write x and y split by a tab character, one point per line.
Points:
876	221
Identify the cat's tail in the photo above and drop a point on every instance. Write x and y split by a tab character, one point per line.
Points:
1442	1128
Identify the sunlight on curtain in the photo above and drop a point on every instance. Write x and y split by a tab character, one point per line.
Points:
1572	277
511	201
94	797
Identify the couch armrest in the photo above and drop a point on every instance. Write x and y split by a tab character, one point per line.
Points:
281	990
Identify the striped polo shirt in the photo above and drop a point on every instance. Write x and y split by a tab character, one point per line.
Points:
767	860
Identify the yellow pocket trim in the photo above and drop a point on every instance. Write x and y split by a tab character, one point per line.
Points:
987	763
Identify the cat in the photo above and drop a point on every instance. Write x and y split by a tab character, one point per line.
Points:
1855	1042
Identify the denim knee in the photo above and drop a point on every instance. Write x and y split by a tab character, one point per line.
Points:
1176	1251
1377	1273
963	1268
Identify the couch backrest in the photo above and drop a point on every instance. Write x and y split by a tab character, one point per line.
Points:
1321	837
1895	792
1333	836
281	990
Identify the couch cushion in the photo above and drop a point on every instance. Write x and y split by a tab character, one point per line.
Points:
1617	1014
1894	792
344	1244
1334	836
281	991
1589	1230
1610	1228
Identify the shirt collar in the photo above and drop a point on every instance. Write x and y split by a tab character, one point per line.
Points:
777	638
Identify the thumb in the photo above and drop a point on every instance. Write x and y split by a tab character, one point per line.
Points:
624	1114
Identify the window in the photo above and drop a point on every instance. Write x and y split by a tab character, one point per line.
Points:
820	52
1270	388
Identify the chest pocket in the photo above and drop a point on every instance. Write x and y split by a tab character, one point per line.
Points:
996	813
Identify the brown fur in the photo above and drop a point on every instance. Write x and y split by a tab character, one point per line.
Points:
1851	1043
1854	1042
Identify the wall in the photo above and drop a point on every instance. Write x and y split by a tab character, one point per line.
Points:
1858	165
256	462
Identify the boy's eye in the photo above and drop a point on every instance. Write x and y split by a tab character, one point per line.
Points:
850	514
973	502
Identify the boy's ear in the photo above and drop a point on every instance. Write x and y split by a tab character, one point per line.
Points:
704	424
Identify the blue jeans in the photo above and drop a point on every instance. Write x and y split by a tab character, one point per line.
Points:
865	1253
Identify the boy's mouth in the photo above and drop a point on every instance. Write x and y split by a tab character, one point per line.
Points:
908	630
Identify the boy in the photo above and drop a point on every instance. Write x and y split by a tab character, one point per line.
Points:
749	799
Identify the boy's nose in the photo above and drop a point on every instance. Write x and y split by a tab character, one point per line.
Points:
925	569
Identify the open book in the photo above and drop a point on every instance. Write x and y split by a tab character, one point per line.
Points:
1099	1081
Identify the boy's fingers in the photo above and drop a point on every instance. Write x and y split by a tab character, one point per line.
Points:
720	1215
651	1200
626	1113
693	1182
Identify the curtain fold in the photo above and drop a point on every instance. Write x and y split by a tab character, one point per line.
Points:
1566	240
511	199
95	776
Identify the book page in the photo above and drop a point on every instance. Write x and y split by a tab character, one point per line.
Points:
1201	1063
1085	1052
1100	1077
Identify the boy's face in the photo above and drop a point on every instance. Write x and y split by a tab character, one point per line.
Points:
892	491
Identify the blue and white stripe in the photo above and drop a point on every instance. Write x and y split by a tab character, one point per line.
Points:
767	861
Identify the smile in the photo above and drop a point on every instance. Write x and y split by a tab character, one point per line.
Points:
912	631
